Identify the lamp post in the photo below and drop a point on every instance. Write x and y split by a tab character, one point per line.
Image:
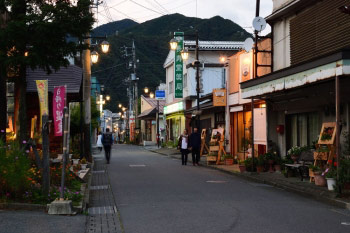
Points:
196	63
87	58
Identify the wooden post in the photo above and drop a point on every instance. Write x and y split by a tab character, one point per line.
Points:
46	165
65	151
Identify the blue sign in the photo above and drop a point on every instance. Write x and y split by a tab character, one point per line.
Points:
160	94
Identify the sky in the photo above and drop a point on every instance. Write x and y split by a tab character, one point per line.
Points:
241	12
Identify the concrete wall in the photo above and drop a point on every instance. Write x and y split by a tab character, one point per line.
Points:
281	42
277	4
169	78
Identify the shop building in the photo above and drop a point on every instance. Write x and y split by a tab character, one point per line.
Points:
308	58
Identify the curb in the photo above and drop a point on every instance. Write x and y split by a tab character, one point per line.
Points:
22	206
328	200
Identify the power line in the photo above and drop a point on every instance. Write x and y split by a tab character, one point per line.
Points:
162	6
146	7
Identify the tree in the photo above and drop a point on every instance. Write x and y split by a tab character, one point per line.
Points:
36	35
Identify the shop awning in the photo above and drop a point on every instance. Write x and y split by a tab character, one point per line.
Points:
149	114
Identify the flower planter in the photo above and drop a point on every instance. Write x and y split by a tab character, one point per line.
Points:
277	168
319	179
75	161
259	169
331	183
83	166
242	168
228	161
295	158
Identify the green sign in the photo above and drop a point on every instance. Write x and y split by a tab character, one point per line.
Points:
178	65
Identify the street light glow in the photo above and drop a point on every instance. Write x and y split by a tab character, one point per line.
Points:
105	46
184	54
151	95
222	59
173	44
108	98
146	90
120	106
94	57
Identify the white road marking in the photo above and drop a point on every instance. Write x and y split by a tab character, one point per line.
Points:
216	181
137	165
345	223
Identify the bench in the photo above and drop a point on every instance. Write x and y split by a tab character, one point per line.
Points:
306	158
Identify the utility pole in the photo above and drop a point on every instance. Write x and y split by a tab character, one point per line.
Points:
135	83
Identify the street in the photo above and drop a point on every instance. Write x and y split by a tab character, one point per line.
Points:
155	193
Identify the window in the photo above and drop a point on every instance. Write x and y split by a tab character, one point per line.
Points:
302	129
244	122
171	87
185	80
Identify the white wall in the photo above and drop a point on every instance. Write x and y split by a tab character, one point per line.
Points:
169	78
280	3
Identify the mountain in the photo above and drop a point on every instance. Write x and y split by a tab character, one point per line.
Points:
151	39
113	27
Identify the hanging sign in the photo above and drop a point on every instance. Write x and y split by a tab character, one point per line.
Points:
42	86
219	97
178	65
58	103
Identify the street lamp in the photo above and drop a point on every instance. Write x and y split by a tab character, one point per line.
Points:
146	90
94	57
105	46
184	54
173	44
151	95
108	98
222	59
120	105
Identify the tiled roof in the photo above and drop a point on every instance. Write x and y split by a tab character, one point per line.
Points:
70	76
215	45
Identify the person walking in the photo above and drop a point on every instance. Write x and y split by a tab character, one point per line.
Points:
99	141
107	141
183	146
195	146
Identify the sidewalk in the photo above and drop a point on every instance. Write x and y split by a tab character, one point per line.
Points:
291	184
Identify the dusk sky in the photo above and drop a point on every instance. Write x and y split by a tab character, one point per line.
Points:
239	11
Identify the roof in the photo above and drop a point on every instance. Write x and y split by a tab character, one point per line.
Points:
148	114
70	76
214	45
153	103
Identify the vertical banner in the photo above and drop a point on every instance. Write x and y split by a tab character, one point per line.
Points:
58	104
178	65
42	86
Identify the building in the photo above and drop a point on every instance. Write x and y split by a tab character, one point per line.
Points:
240	68
180	112
310	40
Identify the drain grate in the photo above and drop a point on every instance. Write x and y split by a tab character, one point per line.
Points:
99	187
102	210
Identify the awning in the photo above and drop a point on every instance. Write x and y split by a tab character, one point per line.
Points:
149	114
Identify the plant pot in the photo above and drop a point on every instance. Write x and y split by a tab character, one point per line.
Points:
331	183
319	180
228	161
75	161
83	166
259	169
242	168
278	168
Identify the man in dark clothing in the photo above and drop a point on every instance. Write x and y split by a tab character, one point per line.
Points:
195	144
107	141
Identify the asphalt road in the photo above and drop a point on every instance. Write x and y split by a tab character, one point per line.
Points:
156	194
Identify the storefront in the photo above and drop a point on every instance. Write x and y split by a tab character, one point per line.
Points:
175	120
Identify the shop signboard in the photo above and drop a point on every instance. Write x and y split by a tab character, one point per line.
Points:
58	103
178	65
219	97
43	88
179	106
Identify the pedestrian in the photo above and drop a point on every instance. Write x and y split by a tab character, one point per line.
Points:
107	141
183	146
195	146
99	141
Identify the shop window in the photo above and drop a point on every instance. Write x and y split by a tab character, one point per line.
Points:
244	122
302	129
10	95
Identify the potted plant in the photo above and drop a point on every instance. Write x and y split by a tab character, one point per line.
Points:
242	167
83	163
319	178
75	158
249	164
260	164
278	162
270	157
331	175
294	153
228	159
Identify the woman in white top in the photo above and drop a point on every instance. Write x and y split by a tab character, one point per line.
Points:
183	146
99	141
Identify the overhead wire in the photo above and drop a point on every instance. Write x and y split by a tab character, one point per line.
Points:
161	6
146	7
